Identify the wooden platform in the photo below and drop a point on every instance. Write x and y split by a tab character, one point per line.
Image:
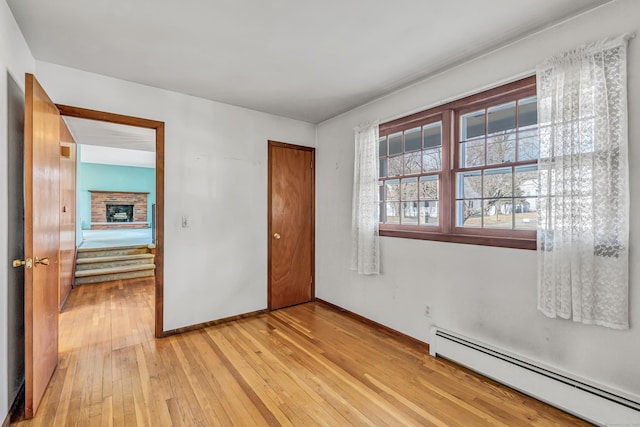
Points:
305	365
99	264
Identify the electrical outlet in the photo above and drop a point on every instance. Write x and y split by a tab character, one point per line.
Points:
427	310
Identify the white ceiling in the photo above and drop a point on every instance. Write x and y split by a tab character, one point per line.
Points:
113	144
304	59
95	132
117	156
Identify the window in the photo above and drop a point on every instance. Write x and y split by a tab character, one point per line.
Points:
464	172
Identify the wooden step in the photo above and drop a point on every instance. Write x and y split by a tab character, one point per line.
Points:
113	276
113	270
94	263
109	274
114	251
90	260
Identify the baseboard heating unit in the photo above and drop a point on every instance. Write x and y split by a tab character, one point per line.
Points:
581	398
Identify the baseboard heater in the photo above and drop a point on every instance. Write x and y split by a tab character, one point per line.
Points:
579	397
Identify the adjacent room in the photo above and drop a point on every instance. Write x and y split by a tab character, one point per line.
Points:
115	201
329	213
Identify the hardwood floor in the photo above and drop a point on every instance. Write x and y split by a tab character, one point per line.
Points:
304	365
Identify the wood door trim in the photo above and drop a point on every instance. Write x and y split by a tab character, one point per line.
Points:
158	126
272	144
102	116
67	173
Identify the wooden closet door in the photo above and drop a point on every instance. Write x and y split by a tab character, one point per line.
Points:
291	224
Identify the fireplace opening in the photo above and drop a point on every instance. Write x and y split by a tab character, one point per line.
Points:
119	213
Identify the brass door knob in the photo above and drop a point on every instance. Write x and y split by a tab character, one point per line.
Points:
276	236
27	263
43	261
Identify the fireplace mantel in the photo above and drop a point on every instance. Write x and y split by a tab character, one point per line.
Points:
118	192
101	198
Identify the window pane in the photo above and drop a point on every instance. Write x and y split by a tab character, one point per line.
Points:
526	215
498	213
472	153
527	112
412	139
432	135
381	191
392	212
501	117
501	148
469	185
395	166
410	189
392	190
472	125
395	143
429	213
432	159
383	168
528	145
428	188
383	217
412	163
526	181
497	183
469	213
409	213
382	146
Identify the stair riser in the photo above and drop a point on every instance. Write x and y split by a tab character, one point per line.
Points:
111	252
98	264
112	277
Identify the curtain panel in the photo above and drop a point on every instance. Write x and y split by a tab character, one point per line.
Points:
365	250
583	211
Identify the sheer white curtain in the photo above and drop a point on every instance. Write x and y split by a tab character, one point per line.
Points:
583	219
365	256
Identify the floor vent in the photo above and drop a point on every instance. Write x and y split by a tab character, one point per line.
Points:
591	402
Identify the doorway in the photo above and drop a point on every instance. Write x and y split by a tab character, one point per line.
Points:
158	128
291	224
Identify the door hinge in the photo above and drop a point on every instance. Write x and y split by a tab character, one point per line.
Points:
311	280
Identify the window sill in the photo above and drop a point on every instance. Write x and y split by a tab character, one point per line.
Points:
497	241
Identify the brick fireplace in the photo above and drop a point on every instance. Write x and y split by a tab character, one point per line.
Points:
118	209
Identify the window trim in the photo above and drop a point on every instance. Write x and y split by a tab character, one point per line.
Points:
449	113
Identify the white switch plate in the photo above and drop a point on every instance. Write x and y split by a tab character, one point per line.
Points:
185	221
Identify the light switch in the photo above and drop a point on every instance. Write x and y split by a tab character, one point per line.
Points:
185	221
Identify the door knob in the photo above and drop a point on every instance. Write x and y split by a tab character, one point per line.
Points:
276	236
43	261
27	263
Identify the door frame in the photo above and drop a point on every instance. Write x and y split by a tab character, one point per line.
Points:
158	126
272	144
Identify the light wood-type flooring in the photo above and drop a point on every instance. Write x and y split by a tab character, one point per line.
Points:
303	366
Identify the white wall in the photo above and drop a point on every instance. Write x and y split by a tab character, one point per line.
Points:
215	173
483	292
15	59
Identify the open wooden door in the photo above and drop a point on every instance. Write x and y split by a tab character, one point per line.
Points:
41	241
291	224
